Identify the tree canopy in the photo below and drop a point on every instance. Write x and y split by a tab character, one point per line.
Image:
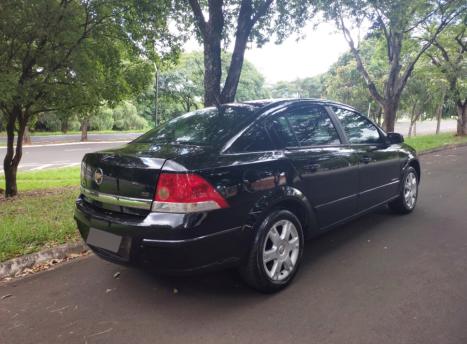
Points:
73	54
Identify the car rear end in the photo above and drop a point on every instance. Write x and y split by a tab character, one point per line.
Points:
139	205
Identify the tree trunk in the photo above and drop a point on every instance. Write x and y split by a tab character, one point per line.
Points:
64	125
461	117
27	136
390	110
84	129
439	114
13	157
212	73
415	128
244	27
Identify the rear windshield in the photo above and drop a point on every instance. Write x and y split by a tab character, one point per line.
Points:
207	127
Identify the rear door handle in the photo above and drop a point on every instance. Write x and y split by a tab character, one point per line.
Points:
366	159
312	167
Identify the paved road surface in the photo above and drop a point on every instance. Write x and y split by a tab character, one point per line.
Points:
70	154
77	137
381	279
427	127
39	157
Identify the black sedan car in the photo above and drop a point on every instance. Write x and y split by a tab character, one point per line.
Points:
241	185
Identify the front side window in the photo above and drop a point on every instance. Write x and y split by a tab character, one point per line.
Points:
306	126
359	129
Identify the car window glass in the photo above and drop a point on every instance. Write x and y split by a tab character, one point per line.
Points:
313	126
254	139
209	126
279	129
357	128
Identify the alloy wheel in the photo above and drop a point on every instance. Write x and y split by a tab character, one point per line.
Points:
410	190
280	250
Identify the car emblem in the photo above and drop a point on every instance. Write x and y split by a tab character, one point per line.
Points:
98	176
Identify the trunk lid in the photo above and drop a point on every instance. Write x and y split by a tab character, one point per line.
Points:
130	171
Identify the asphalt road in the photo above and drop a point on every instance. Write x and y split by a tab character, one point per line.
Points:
381	279
39	157
46	153
45	139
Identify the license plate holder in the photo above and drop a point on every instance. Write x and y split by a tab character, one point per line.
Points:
102	239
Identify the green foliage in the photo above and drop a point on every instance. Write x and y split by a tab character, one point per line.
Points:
425	142
44	179
24	228
181	87
103	120
126	117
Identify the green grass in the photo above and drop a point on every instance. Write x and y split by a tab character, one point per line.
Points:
426	142
44	179
35	220
47	133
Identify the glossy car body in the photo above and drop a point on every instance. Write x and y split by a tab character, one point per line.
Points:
324	185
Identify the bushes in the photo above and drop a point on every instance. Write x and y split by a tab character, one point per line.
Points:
126	117
123	117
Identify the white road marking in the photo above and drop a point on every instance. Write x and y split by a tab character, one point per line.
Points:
77	149
70	144
41	167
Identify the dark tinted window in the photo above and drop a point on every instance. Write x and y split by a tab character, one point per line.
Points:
280	130
210	126
306	127
357	127
255	139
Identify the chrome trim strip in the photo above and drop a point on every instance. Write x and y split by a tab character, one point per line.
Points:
336	200
121	201
379	187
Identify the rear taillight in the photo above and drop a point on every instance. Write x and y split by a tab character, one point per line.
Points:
185	193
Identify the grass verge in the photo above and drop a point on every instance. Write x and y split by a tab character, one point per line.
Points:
426	142
35	220
34	180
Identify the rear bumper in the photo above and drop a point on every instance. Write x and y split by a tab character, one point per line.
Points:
164	242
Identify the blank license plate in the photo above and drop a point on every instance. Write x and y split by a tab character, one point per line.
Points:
105	240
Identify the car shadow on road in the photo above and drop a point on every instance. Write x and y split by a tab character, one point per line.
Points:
228	282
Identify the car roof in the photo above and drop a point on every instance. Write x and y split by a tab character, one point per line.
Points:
268	103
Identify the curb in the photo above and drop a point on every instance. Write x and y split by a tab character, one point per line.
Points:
14	266
439	149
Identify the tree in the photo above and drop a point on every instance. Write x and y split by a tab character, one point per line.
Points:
181	86
216	21
311	87
447	54
71	54
397	22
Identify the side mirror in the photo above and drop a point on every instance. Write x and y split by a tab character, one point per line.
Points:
395	138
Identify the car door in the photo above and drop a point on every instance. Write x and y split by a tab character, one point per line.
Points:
327	169
379	162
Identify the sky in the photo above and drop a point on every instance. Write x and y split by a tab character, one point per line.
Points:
294	59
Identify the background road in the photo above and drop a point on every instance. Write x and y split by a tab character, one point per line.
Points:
39	157
45	139
381	279
44	156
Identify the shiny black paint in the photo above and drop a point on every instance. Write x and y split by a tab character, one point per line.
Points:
323	186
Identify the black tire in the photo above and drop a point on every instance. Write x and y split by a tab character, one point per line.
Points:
401	205
254	271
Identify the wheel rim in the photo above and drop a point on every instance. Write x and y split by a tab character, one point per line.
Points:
280	250
410	190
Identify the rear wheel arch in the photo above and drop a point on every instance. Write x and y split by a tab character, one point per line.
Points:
290	199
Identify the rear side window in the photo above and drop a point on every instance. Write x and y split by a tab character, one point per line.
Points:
209	126
307	126
359	129
254	139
